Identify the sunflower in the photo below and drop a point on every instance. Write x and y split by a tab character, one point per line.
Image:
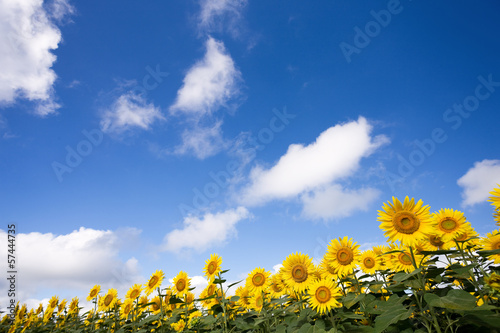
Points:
343	255
134	292
491	242
327	271
257	302
277	287
179	326
297	270
407	222
436	242
493	281
141	304
73	306
39	309
181	283
496	217
212	267
94	292
468	237
108	301
126	308
370	262
402	261
495	198
244	297
154	282
323	296
209	291
157	305
449	223
258	280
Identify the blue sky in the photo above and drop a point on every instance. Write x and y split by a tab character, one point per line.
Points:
138	136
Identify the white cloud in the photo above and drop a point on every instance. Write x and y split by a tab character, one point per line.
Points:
199	234
74	261
215	14
202	142
130	111
335	202
479	181
335	154
27	37
209	84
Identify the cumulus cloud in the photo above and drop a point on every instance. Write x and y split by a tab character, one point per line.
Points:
202	142
335	154
27	38
333	201
209	84
130	111
199	234
479	181
217	15
71	261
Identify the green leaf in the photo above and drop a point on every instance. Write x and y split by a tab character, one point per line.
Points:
390	316
487	253
233	284
456	299
401	276
438	252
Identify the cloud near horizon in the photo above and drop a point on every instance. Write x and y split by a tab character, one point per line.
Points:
479	181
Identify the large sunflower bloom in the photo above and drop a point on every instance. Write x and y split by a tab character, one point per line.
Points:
297	271
369	262
157	305
181	283
449	223
468	237
244	297
73	306
54	300
491	242
126	308
402	261
94	292
134	292
343	255
405	222
277	287
212	267
210	290
154	282
495	198
323	296
327	271
108	301
258	280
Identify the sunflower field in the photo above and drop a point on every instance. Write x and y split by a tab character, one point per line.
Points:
435	274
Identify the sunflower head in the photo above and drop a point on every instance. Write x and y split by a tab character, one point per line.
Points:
493	281
108	301
297	271
449	223
343	255
181	283
126	308
405	222
94	292
213	266
54	300
258	280
134	292
369	262
323	296
154	282
495	198
491	242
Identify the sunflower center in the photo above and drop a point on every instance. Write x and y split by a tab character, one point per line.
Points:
53	304
461	237
156	306
496	245
345	256
436	241
127	309
404	259
448	224
93	293
134	294
152	281
299	273
258	279
369	262
276	287
180	285
211	268
259	302
406	223
108	299
323	294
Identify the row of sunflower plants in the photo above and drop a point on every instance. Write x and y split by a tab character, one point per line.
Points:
435	274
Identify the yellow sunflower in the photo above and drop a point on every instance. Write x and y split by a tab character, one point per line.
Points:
157	305
495	198
212	267
126	308
405	222
435	242
134	292
343	255
39	309
210	290
108	301
496	217
468	237
257	302
94	292
181	283
154	282
369	262
244	297
493	281
54	300
258	280
327	271
73	306
323	296
141	304
402	261
179	326
277	287
449	223
297	271
491	242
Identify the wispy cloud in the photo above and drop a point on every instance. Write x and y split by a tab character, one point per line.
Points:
27	38
479	181
130	111
219	15
209	84
202	142
200	234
